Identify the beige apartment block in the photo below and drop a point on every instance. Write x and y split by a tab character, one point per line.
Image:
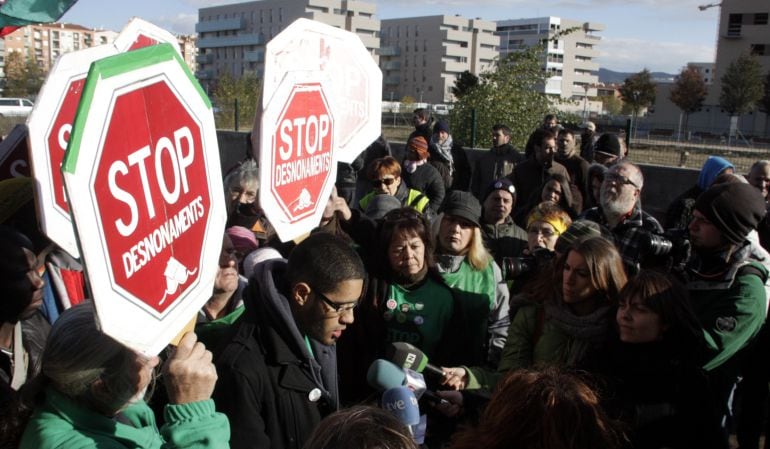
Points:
422	57
743	28
189	50
232	38
569	60
46	42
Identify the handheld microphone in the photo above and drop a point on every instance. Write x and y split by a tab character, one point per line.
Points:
409	356
383	375
402	403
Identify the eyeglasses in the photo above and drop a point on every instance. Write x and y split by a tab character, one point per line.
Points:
339	309
547	233
386	181
619	179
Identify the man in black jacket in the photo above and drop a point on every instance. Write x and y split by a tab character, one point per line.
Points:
278	374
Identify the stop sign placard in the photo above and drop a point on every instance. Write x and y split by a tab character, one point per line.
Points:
143	177
14	154
50	125
139	33
354	80
297	158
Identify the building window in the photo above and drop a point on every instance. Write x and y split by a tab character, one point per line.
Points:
734	25
759	49
760	18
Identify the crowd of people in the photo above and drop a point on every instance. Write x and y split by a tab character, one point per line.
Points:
537	303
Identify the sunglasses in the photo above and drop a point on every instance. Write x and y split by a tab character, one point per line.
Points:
405	213
386	181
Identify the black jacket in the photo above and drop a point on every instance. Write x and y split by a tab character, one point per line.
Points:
272	389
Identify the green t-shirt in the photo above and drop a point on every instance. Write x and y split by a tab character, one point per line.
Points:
420	316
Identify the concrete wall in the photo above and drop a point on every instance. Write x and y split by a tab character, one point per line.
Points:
661	184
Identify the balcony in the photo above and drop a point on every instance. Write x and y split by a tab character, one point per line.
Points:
204	59
392	65
231	41
390	51
204	74
392	80
211	26
254	56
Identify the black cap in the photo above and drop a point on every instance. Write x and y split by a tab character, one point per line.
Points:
608	143
464	205
500	184
734	208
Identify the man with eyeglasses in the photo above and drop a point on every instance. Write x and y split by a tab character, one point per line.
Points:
278	373
620	211
496	163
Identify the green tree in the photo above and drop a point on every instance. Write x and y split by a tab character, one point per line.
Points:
15	79
35	76
611	104
764	102
509	94
228	89
688	93
638	91
464	83
742	88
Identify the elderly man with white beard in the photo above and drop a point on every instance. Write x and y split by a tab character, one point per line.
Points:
621	212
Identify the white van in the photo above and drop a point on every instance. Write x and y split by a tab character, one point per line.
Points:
10	107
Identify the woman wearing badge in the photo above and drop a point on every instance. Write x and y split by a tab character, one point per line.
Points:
406	300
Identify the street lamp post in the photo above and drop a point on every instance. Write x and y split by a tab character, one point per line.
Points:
585	102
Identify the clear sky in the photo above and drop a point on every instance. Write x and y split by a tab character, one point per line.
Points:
661	35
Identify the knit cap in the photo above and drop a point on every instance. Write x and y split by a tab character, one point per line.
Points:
464	205
441	125
501	184
381	205
419	145
734	208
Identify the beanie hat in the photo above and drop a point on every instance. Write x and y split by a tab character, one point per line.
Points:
258	256
464	205
609	144
578	231
734	208
381	205
243	239
441	125
500	184
419	145
712	168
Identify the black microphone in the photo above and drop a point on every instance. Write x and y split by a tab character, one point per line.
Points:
409	356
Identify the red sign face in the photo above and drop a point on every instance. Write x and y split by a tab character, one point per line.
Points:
302	151
58	136
142	41
152	194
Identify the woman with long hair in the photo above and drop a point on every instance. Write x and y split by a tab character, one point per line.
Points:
562	325
466	265
652	366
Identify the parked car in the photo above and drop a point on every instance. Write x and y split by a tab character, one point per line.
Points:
10	107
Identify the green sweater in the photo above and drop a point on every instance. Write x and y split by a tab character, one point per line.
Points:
61	423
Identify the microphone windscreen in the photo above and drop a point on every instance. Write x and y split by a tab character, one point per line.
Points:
383	375
407	356
402	403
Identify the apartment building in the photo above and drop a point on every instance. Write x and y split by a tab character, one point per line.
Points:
706	70
189	50
46	42
232	38
744	27
570	60
423	56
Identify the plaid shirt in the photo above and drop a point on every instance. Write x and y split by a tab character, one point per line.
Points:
628	233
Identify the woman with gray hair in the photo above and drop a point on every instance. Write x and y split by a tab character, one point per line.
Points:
91	389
